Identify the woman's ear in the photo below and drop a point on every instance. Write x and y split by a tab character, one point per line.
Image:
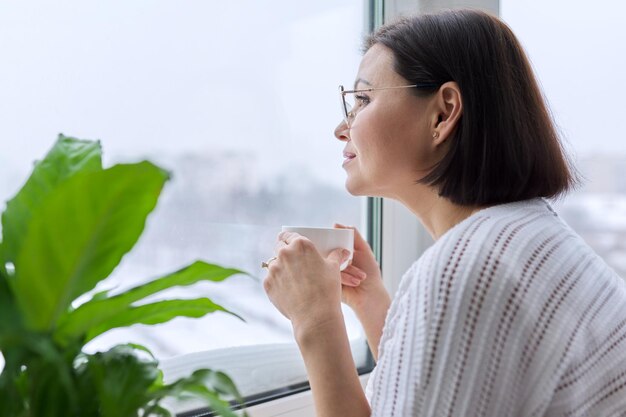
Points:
449	106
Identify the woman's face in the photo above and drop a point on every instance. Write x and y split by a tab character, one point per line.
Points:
389	144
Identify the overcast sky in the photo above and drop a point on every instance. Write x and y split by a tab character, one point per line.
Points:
578	49
167	77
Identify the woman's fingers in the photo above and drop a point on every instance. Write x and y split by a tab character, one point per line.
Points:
356	272
352	276
285	238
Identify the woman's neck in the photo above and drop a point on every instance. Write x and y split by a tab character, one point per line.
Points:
437	214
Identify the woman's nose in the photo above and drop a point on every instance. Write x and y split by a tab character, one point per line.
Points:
342	131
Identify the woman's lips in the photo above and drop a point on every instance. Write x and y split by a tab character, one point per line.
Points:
348	156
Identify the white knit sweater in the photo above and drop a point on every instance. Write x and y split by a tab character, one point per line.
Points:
509	313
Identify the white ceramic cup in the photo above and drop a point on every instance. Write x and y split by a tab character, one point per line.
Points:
326	239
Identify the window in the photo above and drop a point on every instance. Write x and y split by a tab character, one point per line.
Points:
577	53
238	100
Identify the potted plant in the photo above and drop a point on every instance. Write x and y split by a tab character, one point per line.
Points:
64	232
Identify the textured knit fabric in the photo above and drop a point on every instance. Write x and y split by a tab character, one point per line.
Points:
508	314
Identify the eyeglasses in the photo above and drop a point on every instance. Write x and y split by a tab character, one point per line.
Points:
350	108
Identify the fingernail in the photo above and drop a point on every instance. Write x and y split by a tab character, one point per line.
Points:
345	254
355	281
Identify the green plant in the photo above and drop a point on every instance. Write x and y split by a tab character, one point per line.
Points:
63	233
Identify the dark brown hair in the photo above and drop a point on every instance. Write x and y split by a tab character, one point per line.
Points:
505	146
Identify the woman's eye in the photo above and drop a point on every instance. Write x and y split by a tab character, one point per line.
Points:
360	101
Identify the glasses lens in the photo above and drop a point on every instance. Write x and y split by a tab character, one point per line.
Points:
349	104
346	104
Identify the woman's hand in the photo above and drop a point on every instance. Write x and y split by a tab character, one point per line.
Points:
304	286
362	282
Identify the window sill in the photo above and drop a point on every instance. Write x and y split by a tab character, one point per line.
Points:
261	372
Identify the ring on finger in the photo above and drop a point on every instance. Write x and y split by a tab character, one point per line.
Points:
267	263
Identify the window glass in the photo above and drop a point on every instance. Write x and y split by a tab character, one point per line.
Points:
239	100
577	50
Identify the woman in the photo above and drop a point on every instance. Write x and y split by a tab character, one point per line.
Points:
509	313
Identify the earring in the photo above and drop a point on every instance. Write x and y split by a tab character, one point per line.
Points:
435	135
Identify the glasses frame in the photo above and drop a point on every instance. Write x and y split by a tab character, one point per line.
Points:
348	115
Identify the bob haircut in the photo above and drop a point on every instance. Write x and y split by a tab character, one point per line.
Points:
505	146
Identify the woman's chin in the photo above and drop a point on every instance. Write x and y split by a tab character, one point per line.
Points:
355	188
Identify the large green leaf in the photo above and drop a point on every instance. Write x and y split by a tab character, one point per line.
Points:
157	312
80	235
97	312
67	157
